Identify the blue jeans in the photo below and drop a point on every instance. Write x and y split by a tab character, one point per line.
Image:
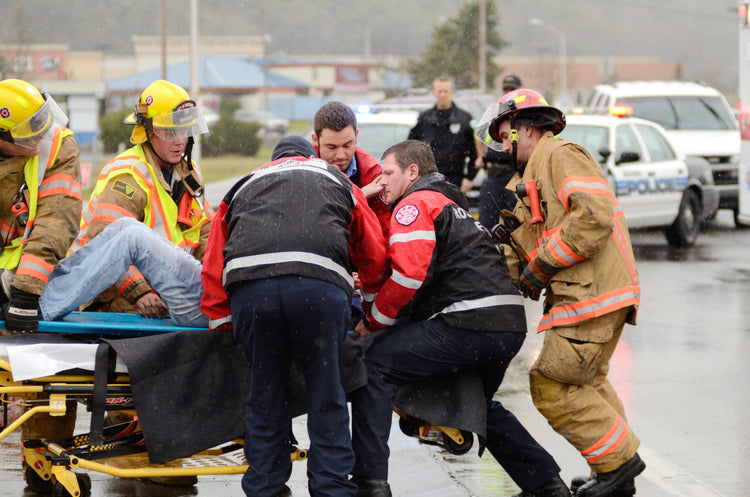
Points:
278	320
173	273
428	349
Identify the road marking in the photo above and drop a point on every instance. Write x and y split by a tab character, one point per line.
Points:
671	478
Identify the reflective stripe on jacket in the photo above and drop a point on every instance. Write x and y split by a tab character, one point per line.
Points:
53	197
444	266
584	234
294	216
160	213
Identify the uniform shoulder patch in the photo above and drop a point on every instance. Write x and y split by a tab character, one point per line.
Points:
123	189
407	214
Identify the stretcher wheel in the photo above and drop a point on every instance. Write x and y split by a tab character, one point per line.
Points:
459	449
36	482
84	484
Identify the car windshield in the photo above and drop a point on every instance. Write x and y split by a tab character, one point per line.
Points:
592	138
682	112
375	138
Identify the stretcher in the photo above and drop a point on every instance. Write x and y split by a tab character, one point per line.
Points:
44	371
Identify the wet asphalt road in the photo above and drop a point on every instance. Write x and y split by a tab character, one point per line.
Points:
682	373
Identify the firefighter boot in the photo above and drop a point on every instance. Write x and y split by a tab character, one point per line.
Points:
627	489
371	487
605	484
555	487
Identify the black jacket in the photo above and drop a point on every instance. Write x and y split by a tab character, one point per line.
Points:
302	217
451	137
444	266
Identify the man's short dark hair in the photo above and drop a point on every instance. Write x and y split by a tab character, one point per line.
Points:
334	116
412	152
445	79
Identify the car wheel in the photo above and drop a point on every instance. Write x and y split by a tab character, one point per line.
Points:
684	230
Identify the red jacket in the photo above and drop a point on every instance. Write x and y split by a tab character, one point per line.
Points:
368	168
444	266
263	211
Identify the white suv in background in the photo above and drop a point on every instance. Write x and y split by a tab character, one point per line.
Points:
697	119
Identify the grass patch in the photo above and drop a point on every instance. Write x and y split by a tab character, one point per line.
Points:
231	166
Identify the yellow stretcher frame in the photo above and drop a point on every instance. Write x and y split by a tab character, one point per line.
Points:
55	463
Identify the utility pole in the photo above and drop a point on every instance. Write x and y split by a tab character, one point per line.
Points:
163	39
482	45
264	67
194	70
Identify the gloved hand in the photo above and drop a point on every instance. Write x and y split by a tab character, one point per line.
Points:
535	278
501	234
22	312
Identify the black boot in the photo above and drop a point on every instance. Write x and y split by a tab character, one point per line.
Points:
627	489
285	492
371	487
605	484
555	487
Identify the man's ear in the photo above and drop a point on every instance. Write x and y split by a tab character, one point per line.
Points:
314	140
413	171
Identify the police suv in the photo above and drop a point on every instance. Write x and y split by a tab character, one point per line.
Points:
656	186
695	117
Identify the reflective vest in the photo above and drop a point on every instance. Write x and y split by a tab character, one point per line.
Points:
161	214
33	176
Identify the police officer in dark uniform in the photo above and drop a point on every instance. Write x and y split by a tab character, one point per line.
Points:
448	131
493	197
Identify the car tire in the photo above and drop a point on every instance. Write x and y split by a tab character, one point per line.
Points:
684	231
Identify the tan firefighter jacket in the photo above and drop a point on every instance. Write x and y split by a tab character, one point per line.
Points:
52	194
583	234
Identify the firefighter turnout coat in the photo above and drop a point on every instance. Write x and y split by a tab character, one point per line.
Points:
132	185
294	216
444	266
52	193
583	234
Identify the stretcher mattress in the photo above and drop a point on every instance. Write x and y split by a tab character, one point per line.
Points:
70	343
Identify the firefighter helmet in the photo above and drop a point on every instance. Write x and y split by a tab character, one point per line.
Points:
26	114
527	107
165	109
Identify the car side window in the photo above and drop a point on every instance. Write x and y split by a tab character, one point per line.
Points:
626	140
657	146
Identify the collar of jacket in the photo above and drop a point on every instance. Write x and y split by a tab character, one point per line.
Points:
435	182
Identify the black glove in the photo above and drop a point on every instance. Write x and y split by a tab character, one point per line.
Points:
535	278
501	234
22	312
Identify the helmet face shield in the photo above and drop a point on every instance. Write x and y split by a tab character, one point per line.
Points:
185	121
40	125
483	127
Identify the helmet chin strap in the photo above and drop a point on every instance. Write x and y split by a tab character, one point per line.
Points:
514	146
153	149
